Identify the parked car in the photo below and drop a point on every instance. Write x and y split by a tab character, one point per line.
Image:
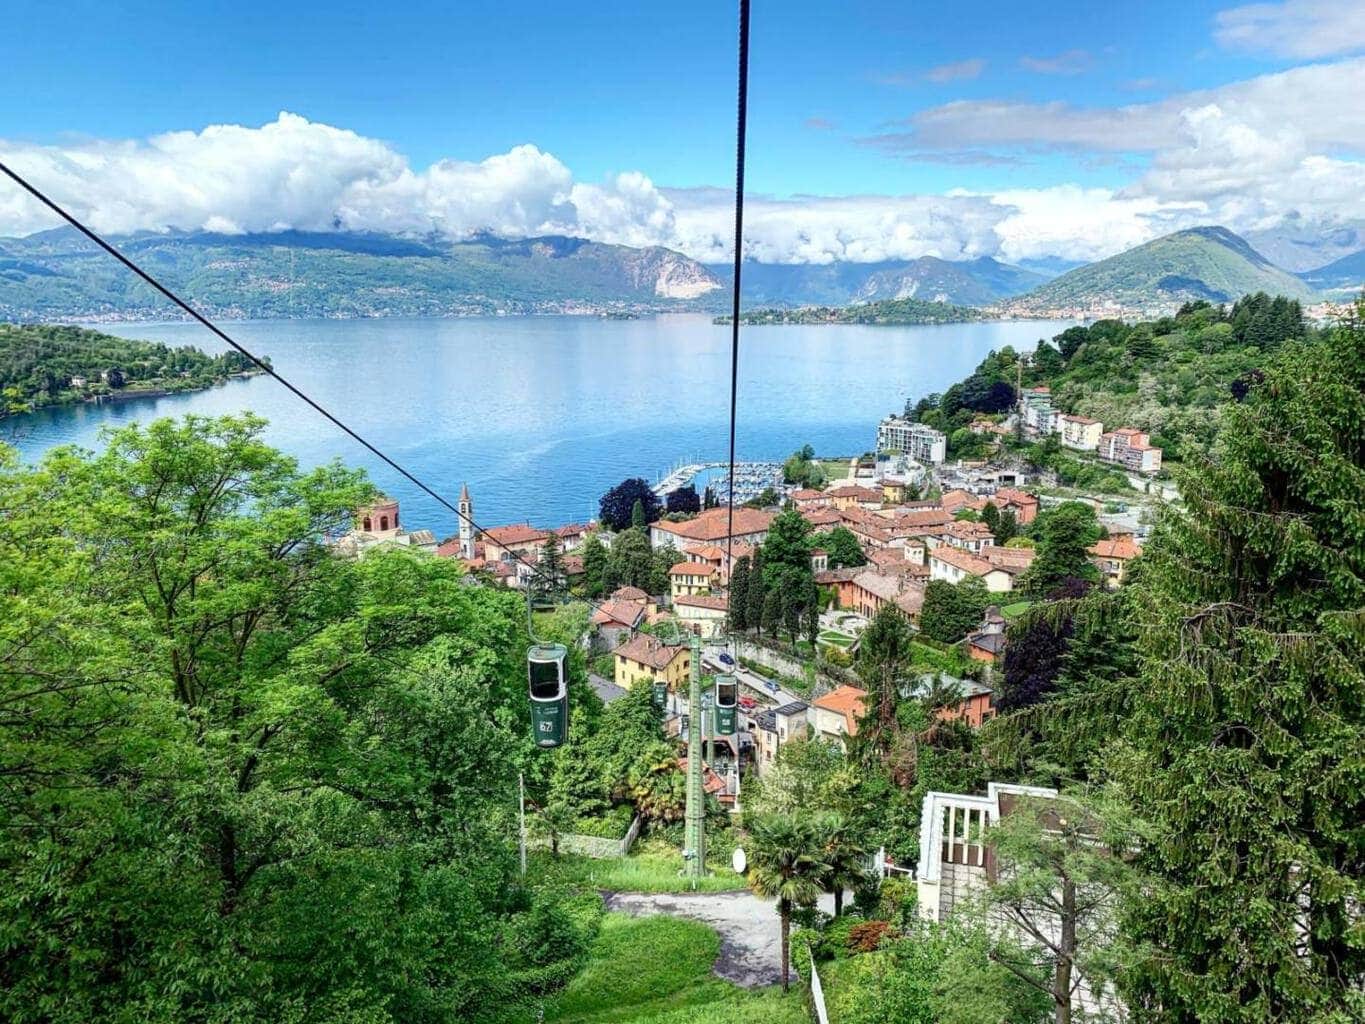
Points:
747	703
725	660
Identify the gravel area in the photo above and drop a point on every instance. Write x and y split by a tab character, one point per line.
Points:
750	933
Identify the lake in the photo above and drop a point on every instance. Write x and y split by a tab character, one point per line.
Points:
541	415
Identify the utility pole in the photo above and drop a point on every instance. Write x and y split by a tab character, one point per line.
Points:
521	800
695	833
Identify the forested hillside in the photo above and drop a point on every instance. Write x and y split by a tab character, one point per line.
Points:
1169	377
38	363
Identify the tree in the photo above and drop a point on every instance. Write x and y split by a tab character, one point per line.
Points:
1033	660
684	500
550	577
217	732
554	820
594	566
638	521
952	610
757	597
773	608
1060	877
739	595
632	562
842	547
843	856
990	515
1242	748
1006	527
617	506
709	499
766	498
883	657
785	865
1064	534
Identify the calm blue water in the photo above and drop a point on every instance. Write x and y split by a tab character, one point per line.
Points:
541	415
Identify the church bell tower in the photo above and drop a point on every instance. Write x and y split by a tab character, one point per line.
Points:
466	523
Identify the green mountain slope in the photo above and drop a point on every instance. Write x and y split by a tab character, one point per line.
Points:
1208	263
979	282
59	275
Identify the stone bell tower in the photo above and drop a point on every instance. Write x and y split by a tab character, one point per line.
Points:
466	523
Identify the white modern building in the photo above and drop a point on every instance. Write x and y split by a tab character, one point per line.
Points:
920	442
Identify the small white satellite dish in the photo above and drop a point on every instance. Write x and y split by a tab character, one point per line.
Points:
738	861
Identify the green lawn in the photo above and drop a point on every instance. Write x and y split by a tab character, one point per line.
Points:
1012	611
651	867
829	636
657	970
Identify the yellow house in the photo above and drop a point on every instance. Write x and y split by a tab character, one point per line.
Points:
688	578
643	659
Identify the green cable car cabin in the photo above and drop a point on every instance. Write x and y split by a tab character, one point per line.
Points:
727	701
549	691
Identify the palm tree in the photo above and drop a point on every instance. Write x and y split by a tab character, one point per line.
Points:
785	864
843	855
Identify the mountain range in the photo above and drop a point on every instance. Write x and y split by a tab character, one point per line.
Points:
1210	263
59	275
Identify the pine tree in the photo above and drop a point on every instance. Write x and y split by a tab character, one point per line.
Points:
594	566
638	521
1006	527
739	596
757	594
772	611
1243	748
551	568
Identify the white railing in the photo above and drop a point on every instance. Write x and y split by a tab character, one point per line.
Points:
817	991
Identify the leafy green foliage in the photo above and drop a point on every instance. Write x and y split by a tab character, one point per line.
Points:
617	506
221	733
887	311
1064	533
952	610
38	362
842	547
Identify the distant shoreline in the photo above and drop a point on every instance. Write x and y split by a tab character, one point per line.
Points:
129	394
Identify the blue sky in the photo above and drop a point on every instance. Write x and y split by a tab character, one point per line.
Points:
849	99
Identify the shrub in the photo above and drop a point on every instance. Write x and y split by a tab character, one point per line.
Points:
867	936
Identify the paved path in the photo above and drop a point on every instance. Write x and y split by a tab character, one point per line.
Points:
750	932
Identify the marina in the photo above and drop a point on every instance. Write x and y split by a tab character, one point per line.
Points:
751	478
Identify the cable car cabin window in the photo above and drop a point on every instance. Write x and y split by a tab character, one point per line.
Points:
727	693
545	682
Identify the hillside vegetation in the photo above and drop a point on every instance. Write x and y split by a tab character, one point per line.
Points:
1169	377
38	363
1208	263
56	275
889	312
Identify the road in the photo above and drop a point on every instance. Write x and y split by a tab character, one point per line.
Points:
749	929
752	680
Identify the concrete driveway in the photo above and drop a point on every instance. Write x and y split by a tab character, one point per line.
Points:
749	928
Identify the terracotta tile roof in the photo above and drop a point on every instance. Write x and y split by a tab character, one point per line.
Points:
911	601
854	491
629	594
964	560
573	564
692	569
848	701
712	601
449	548
957	498
821	516
623	613
1011	496
573	529
883	586
646	650
806	494
1083	420
1010	559
969	531
518	533
705	551
826	577
921	518
712	525
711	782
1120	548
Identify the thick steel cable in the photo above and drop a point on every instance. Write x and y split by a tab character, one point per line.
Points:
741	127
